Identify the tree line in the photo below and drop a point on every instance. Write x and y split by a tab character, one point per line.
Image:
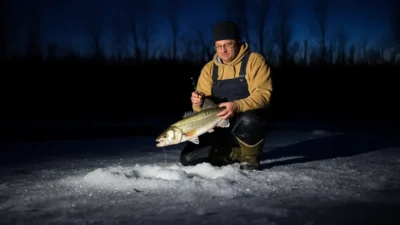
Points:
127	36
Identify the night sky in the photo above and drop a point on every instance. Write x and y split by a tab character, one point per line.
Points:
65	22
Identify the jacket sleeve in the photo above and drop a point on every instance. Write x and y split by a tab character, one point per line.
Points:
259	84
204	83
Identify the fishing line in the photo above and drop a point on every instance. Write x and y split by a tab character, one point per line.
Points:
165	156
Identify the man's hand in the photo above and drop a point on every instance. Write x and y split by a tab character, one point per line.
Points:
197	98
231	109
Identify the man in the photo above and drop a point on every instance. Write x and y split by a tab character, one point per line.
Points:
239	80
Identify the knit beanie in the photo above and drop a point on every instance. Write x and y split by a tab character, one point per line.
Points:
226	30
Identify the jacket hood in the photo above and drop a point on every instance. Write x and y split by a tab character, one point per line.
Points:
244	49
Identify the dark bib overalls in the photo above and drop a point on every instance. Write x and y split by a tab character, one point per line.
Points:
231	89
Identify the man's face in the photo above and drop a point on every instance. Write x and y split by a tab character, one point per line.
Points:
226	50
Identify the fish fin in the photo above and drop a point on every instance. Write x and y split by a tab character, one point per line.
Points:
194	140
186	114
210	130
190	133
208	103
224	124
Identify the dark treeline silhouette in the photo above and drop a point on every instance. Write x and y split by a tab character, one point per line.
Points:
125	38
324	78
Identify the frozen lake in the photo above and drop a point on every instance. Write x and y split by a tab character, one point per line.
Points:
308	177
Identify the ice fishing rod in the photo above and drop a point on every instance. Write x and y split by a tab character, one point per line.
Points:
193	83
194	88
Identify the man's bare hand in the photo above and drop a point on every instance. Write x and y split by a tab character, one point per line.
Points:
197	98
230	111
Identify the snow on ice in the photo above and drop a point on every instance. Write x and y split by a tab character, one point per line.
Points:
309	177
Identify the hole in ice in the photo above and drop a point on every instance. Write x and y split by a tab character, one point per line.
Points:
159	179
172	172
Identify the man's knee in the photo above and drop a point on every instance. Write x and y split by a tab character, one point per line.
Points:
251	126
250	118
193	154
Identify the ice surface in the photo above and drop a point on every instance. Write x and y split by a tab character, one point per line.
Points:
316	177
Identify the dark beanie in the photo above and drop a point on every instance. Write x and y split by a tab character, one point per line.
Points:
226	30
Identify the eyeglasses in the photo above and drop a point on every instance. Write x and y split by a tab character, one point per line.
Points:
226	45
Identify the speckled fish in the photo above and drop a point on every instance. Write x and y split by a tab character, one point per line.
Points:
193	125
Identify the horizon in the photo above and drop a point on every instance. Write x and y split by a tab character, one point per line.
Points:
65	27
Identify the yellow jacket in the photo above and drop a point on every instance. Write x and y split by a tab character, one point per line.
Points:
257	76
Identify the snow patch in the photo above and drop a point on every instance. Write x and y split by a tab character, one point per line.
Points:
201	179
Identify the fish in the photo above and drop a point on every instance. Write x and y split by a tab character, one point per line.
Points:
193	125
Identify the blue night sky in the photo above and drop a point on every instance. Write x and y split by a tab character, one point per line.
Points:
64	21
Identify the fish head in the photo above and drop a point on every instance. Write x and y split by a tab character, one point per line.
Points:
171	136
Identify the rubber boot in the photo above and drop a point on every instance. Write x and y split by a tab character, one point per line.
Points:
224	157
250	155
234	155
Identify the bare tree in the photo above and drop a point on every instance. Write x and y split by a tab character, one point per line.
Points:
305	52
139	17
305	57
133	24
294	51
95	27
205	43
283	30
320	8
331	52
193	46
95	37
374	56
395	19
272	42
147	28
52	49
174	20
34	35
387	50
342	39
362	46
395	23
138	30
351	56
119	30
314	55
236	10
260	9
5	26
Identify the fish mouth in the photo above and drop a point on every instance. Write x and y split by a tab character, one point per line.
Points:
161	142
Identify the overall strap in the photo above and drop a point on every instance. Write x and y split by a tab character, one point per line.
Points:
215	74
242	72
